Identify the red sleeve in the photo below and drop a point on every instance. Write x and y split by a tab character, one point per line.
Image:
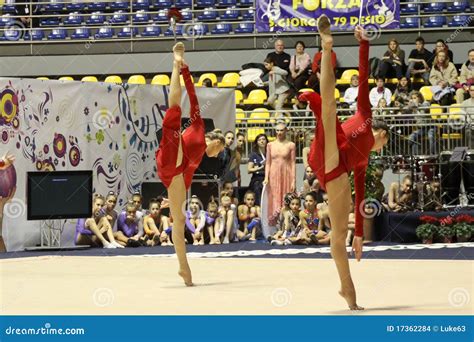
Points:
315	65
359	186
188	83
363	101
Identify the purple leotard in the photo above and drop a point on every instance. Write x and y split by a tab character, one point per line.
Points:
128	229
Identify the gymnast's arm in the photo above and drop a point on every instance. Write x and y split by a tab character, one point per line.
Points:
363	101
359	186
188	83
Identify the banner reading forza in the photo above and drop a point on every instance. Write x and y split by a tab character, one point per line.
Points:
302	15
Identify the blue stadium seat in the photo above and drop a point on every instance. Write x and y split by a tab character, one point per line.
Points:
458	6
151	31
159	4
200	30
6	20
248	15
246	3
230	14
187	14
12	34
205	3
58	33
74	19
36	34
244	28
119	18
459	20
119	5
222	29
227	3
105	32
54	6
434	7
141	17
127	31
184	3
81	33
8	6
75	6
96	18
208	14
141	5
410	22
96	6
179	31
435	22
50	21
409	8
161	17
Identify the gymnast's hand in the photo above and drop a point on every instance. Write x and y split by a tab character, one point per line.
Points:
357	247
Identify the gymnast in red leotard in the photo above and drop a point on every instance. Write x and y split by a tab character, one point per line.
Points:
180	153
339	149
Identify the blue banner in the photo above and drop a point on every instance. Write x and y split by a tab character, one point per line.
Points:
301	15
355	327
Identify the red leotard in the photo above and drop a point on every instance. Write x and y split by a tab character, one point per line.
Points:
354	138
192	139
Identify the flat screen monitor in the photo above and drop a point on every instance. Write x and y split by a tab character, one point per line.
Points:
53	195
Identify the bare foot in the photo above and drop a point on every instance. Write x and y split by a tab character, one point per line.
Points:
324	28
201	242
178	53
350	297
186	275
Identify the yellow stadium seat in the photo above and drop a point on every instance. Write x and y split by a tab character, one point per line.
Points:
435	111
453	110
238	97
451	136
42	78
113	79
337	94
426	92
181	80
253	132
136	79
208	75
392	80
371	80
89	79
162	79
230	79
346	76
259	116
304	90
239	115
256	96
66	78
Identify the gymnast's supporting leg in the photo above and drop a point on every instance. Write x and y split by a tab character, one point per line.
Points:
177	188
338	190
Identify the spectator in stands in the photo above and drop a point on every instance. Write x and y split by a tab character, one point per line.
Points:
416	101
466	78
278	87
443	77
400	196
207	82
24	11
256	166
350	95
442	46
314	78
279	57
398	105
300	67
155	222
419	61
469	103
393	60
128	233
403	89
381	108
249	216
378	92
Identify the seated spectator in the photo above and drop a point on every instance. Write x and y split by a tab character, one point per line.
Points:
256	166
195	223
312	229
228	187
393	61
400	196
403	89
300	67
279	57
350	95
469	103
128	233
381	108
289	221
419	61
416	101
442	46
378	92
211	220
249	216
155	222
466	78
443	77
398	106
314	78
278	87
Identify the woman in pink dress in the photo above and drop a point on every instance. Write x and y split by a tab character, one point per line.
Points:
280	172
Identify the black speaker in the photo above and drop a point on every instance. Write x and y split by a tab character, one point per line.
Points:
205	190
450	178
468	175
152	190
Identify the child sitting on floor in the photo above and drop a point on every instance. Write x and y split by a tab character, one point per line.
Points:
249	216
